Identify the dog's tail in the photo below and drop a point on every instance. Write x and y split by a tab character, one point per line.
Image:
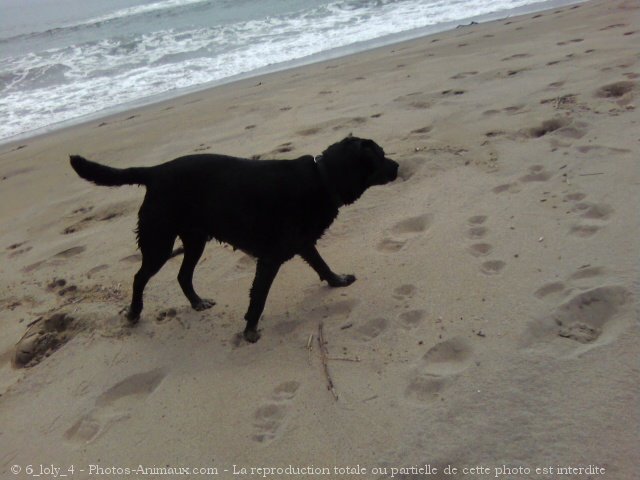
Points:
108	176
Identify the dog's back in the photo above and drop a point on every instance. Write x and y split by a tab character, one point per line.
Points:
253	205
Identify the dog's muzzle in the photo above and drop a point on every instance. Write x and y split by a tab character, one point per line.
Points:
387	172
391	168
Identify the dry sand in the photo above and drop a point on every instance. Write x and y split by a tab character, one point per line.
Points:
494	317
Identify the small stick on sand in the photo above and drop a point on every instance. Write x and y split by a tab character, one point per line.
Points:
324	358
345	359
310	347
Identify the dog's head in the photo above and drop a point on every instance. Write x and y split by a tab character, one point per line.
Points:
355	164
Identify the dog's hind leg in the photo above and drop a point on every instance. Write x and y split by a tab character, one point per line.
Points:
315	261
266	272
194	243
155	253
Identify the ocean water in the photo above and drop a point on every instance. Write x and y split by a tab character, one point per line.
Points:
61	60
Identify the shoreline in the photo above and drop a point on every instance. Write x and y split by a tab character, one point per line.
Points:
335	54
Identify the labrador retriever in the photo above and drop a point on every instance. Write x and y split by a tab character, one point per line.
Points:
270	209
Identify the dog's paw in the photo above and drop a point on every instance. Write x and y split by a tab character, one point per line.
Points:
203	304
251	336
341	280
132	316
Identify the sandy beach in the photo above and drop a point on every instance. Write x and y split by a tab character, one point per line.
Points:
494	322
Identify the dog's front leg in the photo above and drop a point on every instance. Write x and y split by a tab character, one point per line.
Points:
266	271
313	258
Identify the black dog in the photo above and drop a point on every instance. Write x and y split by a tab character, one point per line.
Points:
270	209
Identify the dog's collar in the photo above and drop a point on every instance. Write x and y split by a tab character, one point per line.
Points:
326	181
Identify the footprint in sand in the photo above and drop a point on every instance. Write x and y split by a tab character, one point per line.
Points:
350	123
116	404
616	90
411	318
70	252
338	311
547	127
55	259
574	197
481	249
464	75
270	418
475	233
452	92
537	173
585	272
588	317
477	220
403	231
134	258
110	212
601	150
550	288
567	42
410	167
594	215
587	320
404	292
593	211
584	231
60	287
511	73
615	25
307	132
283	148
341	309
422	130
507	187
511	110
492	267
97	269
165	315
516	56
43	337
18	249
371	329
438	366
416	100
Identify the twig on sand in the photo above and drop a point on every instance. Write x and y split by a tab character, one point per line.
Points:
310	347
345	359
324	357
590	174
